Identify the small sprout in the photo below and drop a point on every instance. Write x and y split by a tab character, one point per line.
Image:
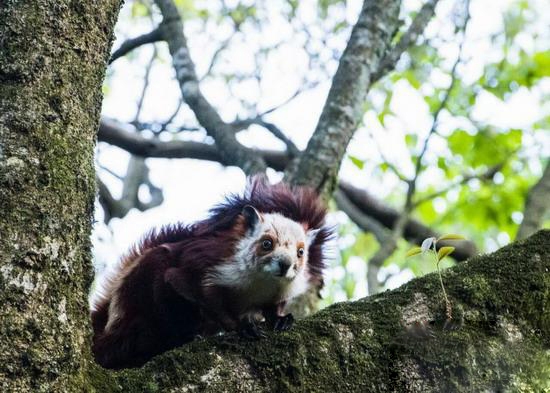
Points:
413	251
427	243
430	245
443	252
451	237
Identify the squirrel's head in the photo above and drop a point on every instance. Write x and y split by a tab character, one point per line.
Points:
274	245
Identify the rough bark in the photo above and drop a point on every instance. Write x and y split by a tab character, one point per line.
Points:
537	204
52	63
414	31
392	342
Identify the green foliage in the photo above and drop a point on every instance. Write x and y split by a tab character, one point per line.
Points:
357	162
324	6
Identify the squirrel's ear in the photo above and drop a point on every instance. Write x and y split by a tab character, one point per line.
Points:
312	234
251	215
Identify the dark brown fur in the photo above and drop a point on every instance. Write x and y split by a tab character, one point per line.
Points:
159	284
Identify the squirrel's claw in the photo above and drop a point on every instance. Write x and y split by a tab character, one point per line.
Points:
284	323
251	331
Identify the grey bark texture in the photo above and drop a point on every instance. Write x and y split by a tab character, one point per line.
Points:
52	64
537	205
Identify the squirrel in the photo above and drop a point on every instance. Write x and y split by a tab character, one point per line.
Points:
253	254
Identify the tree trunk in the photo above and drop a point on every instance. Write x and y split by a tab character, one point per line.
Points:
397	341
52	64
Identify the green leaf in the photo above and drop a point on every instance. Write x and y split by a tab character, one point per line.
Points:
413	251
451	236
411	140
357	162
443	252
139	10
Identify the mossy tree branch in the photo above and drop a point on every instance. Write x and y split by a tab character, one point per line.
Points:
394	341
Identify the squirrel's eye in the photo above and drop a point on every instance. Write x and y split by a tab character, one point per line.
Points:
267	245
300	252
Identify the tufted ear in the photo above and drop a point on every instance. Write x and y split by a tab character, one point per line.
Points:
251	216
311	235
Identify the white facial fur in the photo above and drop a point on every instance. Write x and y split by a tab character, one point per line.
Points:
257	270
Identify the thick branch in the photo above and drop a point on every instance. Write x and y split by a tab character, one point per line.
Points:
394	341
537	204
414	231
231	152
369	42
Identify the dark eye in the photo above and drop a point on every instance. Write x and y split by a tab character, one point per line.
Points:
300	252
267	245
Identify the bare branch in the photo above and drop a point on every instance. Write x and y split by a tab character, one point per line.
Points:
409	38
172	116
276	131
231	152
113	133
487	175
107	201
442	105
133	43
390	165
215	56
537	204
137	174
304	87
148	69
363	221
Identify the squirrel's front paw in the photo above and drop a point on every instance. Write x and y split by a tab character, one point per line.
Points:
284	322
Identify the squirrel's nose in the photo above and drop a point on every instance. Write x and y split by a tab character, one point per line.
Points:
284	265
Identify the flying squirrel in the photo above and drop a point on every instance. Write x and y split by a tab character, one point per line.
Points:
250	257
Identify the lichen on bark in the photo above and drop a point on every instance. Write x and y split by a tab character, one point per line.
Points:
51	70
